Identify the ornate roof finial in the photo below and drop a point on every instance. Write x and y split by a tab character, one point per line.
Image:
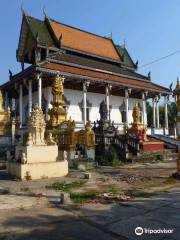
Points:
45	12
22	10
149	75
177	85
137	64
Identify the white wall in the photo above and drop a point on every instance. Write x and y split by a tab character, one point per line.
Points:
75	97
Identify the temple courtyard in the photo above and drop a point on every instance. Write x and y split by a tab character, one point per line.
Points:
108	205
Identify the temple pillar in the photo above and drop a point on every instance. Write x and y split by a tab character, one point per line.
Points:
127	92
166	111
39	90
49	99
30	96
20	103
108	88
157	112
144	109
85	87
154	112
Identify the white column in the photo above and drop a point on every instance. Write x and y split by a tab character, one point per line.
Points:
49	99
127	106
30	97
107	101
39	90
84	102
144	109
20	103
166	111
157	112
154	112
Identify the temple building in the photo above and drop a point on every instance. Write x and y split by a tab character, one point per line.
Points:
93	67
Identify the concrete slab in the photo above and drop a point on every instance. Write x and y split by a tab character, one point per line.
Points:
107	214
127	228
166	215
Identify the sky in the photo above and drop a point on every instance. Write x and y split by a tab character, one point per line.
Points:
150	29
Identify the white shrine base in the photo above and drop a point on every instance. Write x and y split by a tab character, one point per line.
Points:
38	170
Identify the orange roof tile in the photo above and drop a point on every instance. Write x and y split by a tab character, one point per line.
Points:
94	74
83	41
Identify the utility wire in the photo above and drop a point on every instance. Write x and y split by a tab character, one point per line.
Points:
159	59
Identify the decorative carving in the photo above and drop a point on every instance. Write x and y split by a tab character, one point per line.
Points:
36	127
23	158
50	139
58	112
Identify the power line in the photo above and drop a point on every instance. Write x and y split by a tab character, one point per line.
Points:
159	59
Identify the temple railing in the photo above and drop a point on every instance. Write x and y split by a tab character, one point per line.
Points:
126	144
120	142
133	144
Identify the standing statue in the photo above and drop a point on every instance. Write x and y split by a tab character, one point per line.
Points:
103	111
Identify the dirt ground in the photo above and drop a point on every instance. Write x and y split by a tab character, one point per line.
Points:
145	195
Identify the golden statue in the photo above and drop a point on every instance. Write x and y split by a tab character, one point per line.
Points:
58	112
5	118
137	129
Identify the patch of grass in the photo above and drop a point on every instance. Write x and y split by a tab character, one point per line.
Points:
112	189
83	197
65	186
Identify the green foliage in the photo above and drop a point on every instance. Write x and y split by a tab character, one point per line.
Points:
172	112
112	189
159	156
63	186
83	197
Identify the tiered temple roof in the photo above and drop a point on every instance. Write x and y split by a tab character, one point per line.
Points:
50	46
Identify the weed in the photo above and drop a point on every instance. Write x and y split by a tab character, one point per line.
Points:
112	189
65	186
83	197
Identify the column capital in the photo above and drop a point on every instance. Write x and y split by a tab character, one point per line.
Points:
127	92
86	84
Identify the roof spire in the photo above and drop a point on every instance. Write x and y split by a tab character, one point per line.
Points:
22	10
124	44
44	11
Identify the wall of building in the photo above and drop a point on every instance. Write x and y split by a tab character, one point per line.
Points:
76	99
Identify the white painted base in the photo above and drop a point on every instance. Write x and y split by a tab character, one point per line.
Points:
38	170
38	154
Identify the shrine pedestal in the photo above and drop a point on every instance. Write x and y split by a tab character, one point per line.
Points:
37	162
152	146
38	170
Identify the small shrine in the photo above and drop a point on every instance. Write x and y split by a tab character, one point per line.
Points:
58	112
104	131
138	131
5	119
37	157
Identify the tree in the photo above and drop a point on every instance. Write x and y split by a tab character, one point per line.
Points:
172	112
